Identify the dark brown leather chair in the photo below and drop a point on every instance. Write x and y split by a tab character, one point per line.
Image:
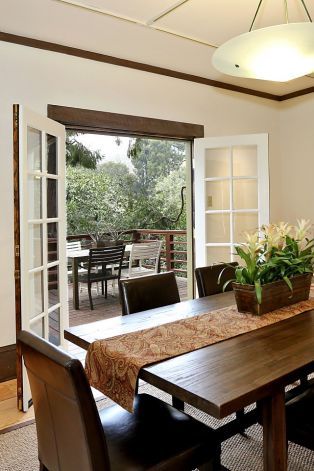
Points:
300	415
74	436
148	292
207	278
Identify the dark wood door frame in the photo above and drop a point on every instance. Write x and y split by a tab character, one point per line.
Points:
102	122
93	121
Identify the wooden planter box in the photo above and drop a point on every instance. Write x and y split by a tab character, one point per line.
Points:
274	295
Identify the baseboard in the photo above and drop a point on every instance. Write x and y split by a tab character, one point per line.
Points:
7	363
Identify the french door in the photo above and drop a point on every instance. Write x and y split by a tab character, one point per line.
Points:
40	232
231	194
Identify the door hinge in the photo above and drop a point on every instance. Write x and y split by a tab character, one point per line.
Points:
17	250
17	274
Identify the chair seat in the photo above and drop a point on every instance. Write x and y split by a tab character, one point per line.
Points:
300	418
133	439
137	272
100	276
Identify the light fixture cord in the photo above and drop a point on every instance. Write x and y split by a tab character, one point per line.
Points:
307	11
286	10
256	13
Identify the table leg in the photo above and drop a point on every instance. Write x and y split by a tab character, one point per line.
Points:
76	301
274	431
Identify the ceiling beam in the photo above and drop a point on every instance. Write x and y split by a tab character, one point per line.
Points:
95	56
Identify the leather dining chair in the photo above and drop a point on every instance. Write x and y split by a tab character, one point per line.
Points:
208	284
149	292
74	436
300	415
207	278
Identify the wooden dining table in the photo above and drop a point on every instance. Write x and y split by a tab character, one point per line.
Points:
224	377
76	257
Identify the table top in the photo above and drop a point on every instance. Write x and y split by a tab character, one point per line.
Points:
226	376
83	253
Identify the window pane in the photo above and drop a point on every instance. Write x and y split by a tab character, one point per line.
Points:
52	198
244	222
54	327
244	161
52	233
36	294
217	163
34	197
35	245
38	327
218	195
53	286
218	228
34	149
52	165
245	194
218	255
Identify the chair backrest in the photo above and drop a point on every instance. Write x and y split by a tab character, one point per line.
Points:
148	292
70	435
74	246
207	278
106	256
145	251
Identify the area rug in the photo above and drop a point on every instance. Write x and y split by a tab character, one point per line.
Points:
18	448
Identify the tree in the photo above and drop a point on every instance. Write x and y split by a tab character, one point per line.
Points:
153	159
79	155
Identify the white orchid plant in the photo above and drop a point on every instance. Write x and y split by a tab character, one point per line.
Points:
275	252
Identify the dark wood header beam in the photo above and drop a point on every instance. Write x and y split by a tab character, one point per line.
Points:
84	54
114	123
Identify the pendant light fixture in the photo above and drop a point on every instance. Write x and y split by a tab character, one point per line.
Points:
278	53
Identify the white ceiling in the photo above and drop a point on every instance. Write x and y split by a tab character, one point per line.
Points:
182	40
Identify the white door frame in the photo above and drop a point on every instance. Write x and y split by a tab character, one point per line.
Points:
200	146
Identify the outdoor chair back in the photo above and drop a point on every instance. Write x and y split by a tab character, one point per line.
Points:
104	264
146	253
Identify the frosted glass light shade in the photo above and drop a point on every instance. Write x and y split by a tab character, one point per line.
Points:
278	53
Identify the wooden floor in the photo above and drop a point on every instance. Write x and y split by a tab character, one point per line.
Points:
9	414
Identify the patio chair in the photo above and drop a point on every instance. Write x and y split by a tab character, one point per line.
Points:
74	435
146	253
104	264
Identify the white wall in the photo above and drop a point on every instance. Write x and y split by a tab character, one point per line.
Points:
35	78
296	127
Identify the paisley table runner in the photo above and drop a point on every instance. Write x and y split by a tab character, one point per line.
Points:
112	365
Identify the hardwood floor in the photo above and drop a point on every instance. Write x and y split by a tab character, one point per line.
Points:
9	414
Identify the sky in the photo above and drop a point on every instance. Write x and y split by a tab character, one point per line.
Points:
108	146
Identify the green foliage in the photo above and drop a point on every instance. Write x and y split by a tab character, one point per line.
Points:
79	155
97	203
154	159
281	253
109	198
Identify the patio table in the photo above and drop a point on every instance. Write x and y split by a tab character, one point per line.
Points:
76	258
226	376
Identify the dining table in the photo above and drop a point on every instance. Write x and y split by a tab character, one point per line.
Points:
229	375
76	258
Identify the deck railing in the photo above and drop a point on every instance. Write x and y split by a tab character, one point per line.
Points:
174	247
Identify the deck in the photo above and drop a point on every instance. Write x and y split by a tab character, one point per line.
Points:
104	308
